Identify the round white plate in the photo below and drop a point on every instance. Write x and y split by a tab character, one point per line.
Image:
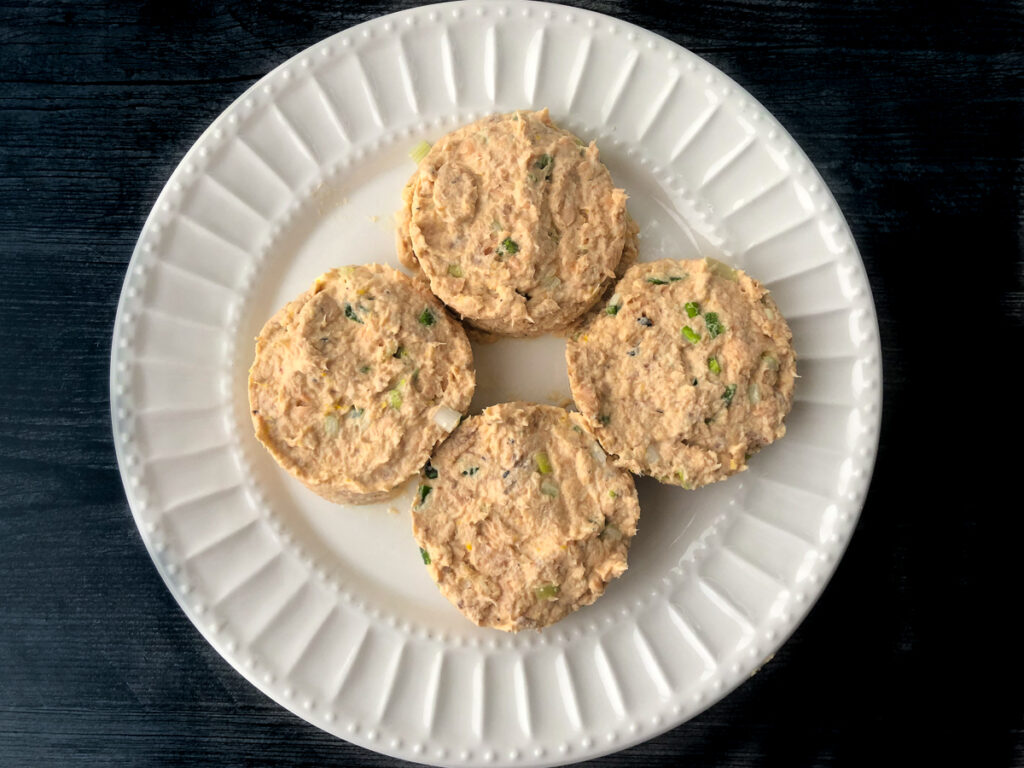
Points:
328	609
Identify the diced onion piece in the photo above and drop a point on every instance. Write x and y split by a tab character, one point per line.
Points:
598	453
331	424
549	488
770	362
551	282
754	394
447	418
652	456
419	151
720	269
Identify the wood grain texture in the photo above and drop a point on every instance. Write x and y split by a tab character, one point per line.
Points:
914	114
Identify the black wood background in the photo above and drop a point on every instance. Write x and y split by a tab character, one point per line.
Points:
912	112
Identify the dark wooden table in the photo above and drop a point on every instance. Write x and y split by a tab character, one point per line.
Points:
912	112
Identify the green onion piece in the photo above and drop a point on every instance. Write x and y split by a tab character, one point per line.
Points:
549	488
540	458
769	362
395	398
542	162
399	353
713	365
425	555
420	151
657	281
508	247
455	270
692	308
691	336
713	325
614	305
355	413
728	394
471	471
604	419
351	314
613	494
423	492
426	317
681	477
429	471
365	369
547	592
677	278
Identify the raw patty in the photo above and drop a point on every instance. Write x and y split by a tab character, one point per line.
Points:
515	223
357	380
686	372
521	517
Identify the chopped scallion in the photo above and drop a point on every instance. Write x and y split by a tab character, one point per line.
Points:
508	247
657	281
419	151
395	398
728	394
351	313
428	471
712	323
713	365
423	492
455	270
692	308
425	555
691	335
426	317
540	458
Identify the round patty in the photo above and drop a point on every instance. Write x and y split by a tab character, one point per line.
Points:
521	518
686	372
357	380
515	223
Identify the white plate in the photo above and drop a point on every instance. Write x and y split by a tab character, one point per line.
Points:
327	609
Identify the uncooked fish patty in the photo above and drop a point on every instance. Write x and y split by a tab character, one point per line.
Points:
686	372
521	518
357	380
515	223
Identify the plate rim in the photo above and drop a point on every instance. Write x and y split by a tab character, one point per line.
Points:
796	617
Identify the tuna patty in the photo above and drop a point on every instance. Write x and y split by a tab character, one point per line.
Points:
515	223
520	517
686	372
357	380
